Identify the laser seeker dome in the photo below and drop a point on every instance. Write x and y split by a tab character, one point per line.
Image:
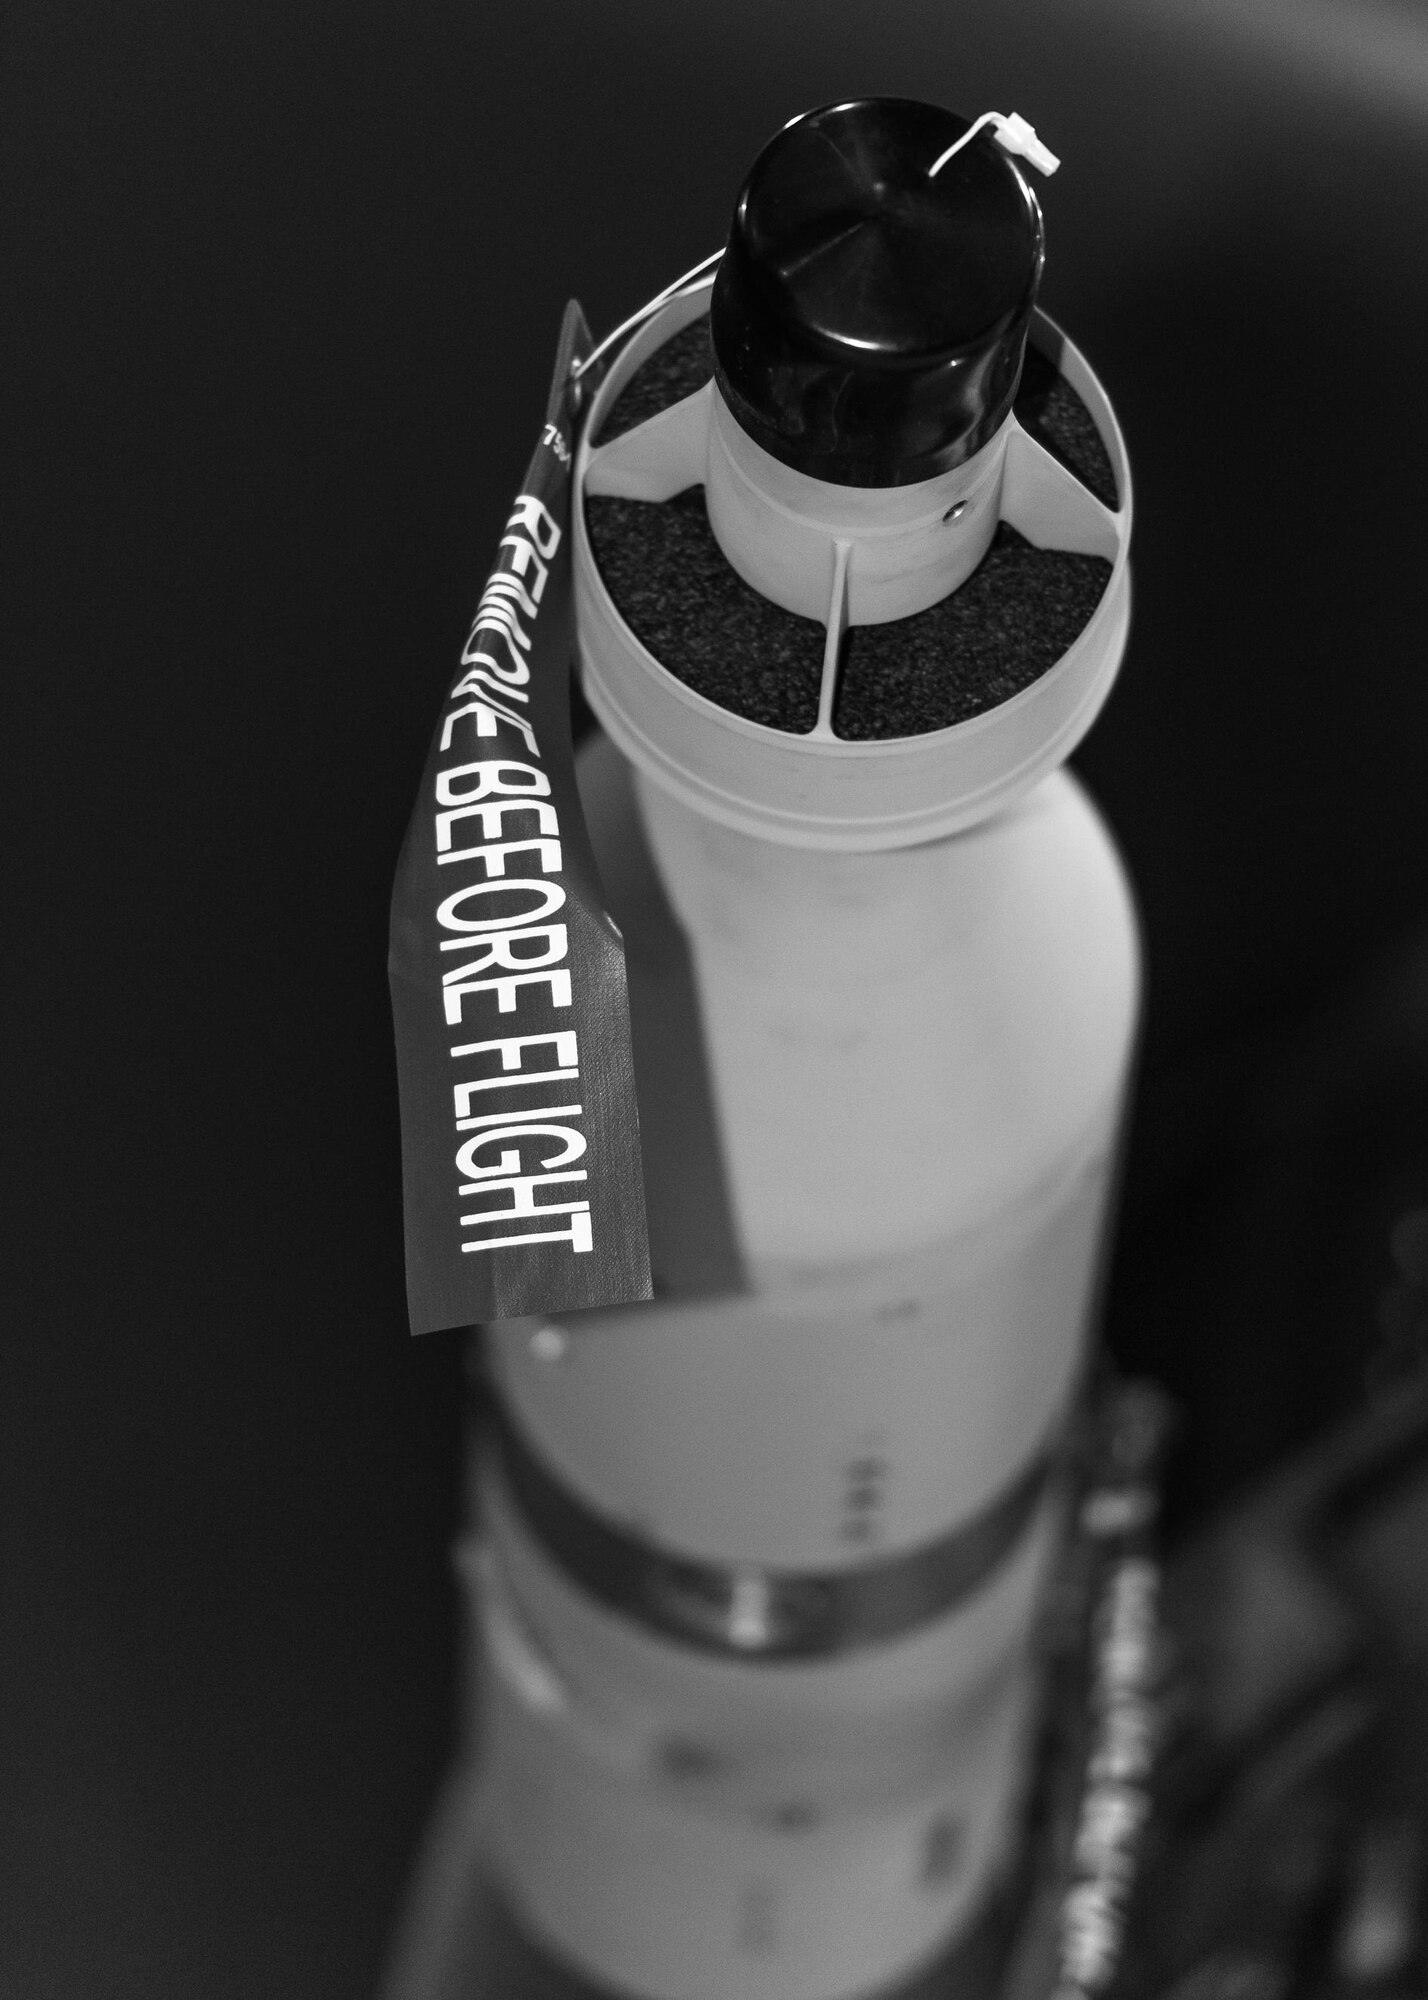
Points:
869	317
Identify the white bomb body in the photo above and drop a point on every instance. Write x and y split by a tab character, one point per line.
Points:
758	1565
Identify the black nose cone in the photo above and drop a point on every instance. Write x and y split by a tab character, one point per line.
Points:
868	320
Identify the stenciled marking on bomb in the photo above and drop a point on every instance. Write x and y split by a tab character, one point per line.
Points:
508	976
1116	1803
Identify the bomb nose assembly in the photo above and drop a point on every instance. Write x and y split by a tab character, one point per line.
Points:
879	415
869	314
757	1574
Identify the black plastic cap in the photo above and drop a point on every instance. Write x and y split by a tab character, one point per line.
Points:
868	322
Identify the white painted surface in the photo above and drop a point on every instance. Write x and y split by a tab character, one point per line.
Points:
917	1060
658	1893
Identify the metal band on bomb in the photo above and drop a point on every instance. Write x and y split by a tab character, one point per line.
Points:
754	1611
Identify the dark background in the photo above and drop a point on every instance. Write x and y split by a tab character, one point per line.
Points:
283	283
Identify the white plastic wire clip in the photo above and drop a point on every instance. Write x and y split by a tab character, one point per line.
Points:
1013	135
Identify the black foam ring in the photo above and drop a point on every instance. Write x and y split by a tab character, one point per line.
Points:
678	593
1011	620
684	364
1048	409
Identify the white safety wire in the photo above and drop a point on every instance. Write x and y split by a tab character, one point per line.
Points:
645	312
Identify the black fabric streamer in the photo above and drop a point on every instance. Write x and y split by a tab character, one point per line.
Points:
520	1139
